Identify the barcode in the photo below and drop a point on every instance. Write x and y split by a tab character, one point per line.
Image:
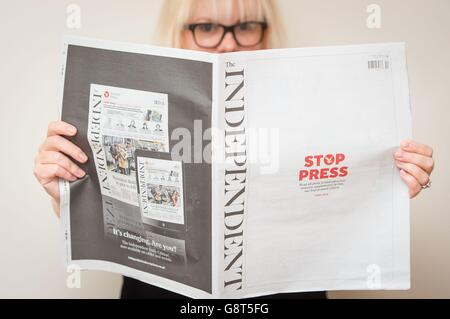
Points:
378	65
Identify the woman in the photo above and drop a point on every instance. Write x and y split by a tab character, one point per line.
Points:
213	26
122	158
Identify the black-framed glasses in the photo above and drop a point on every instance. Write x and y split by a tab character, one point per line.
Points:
211	35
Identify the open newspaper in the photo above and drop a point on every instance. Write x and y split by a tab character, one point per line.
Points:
241	174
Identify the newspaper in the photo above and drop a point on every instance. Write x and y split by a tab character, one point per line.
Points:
161	190
240	174
121	121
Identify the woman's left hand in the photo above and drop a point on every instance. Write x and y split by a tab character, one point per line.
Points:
415	161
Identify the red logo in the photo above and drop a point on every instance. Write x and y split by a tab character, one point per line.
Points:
106	94
329	159
323	167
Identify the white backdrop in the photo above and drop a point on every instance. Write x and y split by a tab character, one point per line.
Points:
31	36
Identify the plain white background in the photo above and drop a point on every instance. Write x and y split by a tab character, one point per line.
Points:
31	258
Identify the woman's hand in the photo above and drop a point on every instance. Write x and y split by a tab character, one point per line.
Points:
416	164
55	160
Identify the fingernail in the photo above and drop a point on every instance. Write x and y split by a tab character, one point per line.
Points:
404	144
398	154
71	129
402	172
80	173
82	157
398	163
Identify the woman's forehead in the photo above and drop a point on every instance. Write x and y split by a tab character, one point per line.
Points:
225	11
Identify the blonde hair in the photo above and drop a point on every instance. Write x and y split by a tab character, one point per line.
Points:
176	13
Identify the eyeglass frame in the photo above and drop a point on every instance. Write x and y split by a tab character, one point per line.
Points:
230	28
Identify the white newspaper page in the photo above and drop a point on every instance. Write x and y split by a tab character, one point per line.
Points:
120	121
313	199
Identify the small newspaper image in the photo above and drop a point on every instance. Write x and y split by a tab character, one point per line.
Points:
160	190
122	121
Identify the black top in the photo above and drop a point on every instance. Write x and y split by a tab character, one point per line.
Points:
135	289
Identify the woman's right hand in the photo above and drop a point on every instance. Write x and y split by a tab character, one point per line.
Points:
55	160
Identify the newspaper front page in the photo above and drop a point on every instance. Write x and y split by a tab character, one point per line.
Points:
311	188
239	175
121	121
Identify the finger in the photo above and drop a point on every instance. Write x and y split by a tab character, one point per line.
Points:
60	144
52	157
46	173
61	128
424	162
419	174
416	147
413	185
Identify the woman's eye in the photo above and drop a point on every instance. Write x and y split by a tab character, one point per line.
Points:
243	26
208	27
246	26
